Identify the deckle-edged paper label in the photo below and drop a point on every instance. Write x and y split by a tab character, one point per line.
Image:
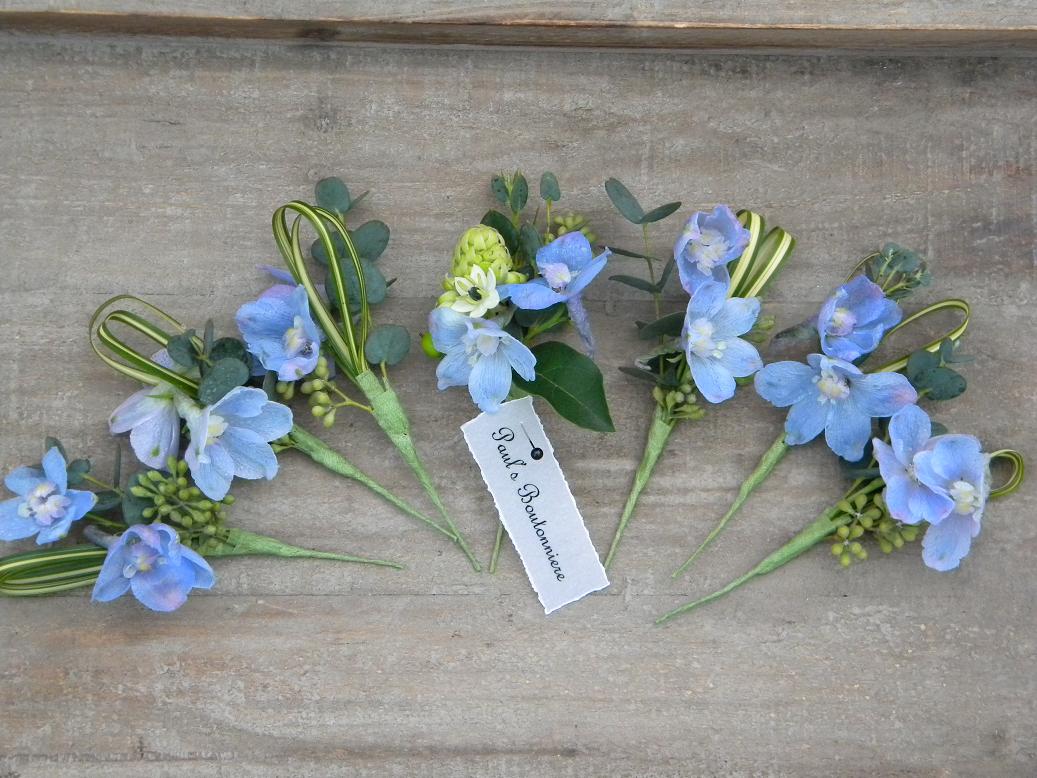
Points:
535	505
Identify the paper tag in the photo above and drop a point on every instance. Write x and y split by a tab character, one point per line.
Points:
535	504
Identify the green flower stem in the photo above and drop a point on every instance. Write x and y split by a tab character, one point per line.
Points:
240	542
497	543
389	413
768	462
317	450
656	296
101	484
815	532
658	435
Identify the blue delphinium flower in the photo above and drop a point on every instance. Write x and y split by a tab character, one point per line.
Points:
956	467
567	265
280	332
45	506
834	396
716	355
151	418
232	438
706	244
853	320
907	498
150	561
479	354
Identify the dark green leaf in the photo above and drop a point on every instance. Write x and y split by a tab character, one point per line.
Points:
77	469
942	383
107	500
636	372
625	202
388	343
920	362
530	240
374	284
320	255
805	330
519	192
549	188
270	384
529	319
133	507
938	429
225	374
370	239
228	348
668	326
503	225
667	272
660	213
207	340
333	195
181	349
572	384
635	282
634	254
51	442
499	187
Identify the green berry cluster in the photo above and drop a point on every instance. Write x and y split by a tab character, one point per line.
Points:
317	388
175	500
761	330
679	403
570	222
868	516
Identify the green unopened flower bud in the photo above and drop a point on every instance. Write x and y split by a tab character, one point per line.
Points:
148	513
163	510
843	532
139	491
195	492
321	398
156	476
318	410
856	531
885	545
228	500
429	347
175	515
181	481
183	495
837	549
482	246
658	395
167	489
209	530
172	465
322	370
909	533
158	499
329	419
318	384
846	560
686	388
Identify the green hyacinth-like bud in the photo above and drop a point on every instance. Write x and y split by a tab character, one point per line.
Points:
572	222
482	246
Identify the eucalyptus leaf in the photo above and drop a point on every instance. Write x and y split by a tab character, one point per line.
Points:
634	254
106	501
942	383
530	240
503	225
224	375
181	349
133	507
920	362
667	272
519	193
388	343
50	442
499	187
374	283
320	254
572	384
333	195
938	429
635	282
208	338
625	202
270	384
370	239
660	213
669	325
228	348
549	189
77	470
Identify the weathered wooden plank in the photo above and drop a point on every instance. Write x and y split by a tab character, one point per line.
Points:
158	164
945	25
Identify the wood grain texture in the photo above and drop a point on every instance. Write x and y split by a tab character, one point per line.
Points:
958	26
153	166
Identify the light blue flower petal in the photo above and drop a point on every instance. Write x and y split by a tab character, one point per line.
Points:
534	295
740	358
580	319
736	317
890	466
164	588
212	477
588	274
490	381
204	578
111	583
909	431
951	458
23	480
848	430
882	394
447	328
707	302
55	469
520	358
13	526
927	505
80	502
454	369
252	456
242	401
136	409
947	543
279	273
805	421
572	249
786	383
157	437
273	421
715	382
54	532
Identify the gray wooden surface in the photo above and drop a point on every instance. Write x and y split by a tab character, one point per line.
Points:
153	166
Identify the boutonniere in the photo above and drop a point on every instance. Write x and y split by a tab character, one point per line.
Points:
705	351
912	476
515	281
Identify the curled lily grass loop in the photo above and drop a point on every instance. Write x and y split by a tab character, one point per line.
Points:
954	334
1015	479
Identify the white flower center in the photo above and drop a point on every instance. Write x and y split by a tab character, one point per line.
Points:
295	341
217	426
478	345
142	559
832	386
558	275
842	323
44	505
966	497
709	250
699	337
